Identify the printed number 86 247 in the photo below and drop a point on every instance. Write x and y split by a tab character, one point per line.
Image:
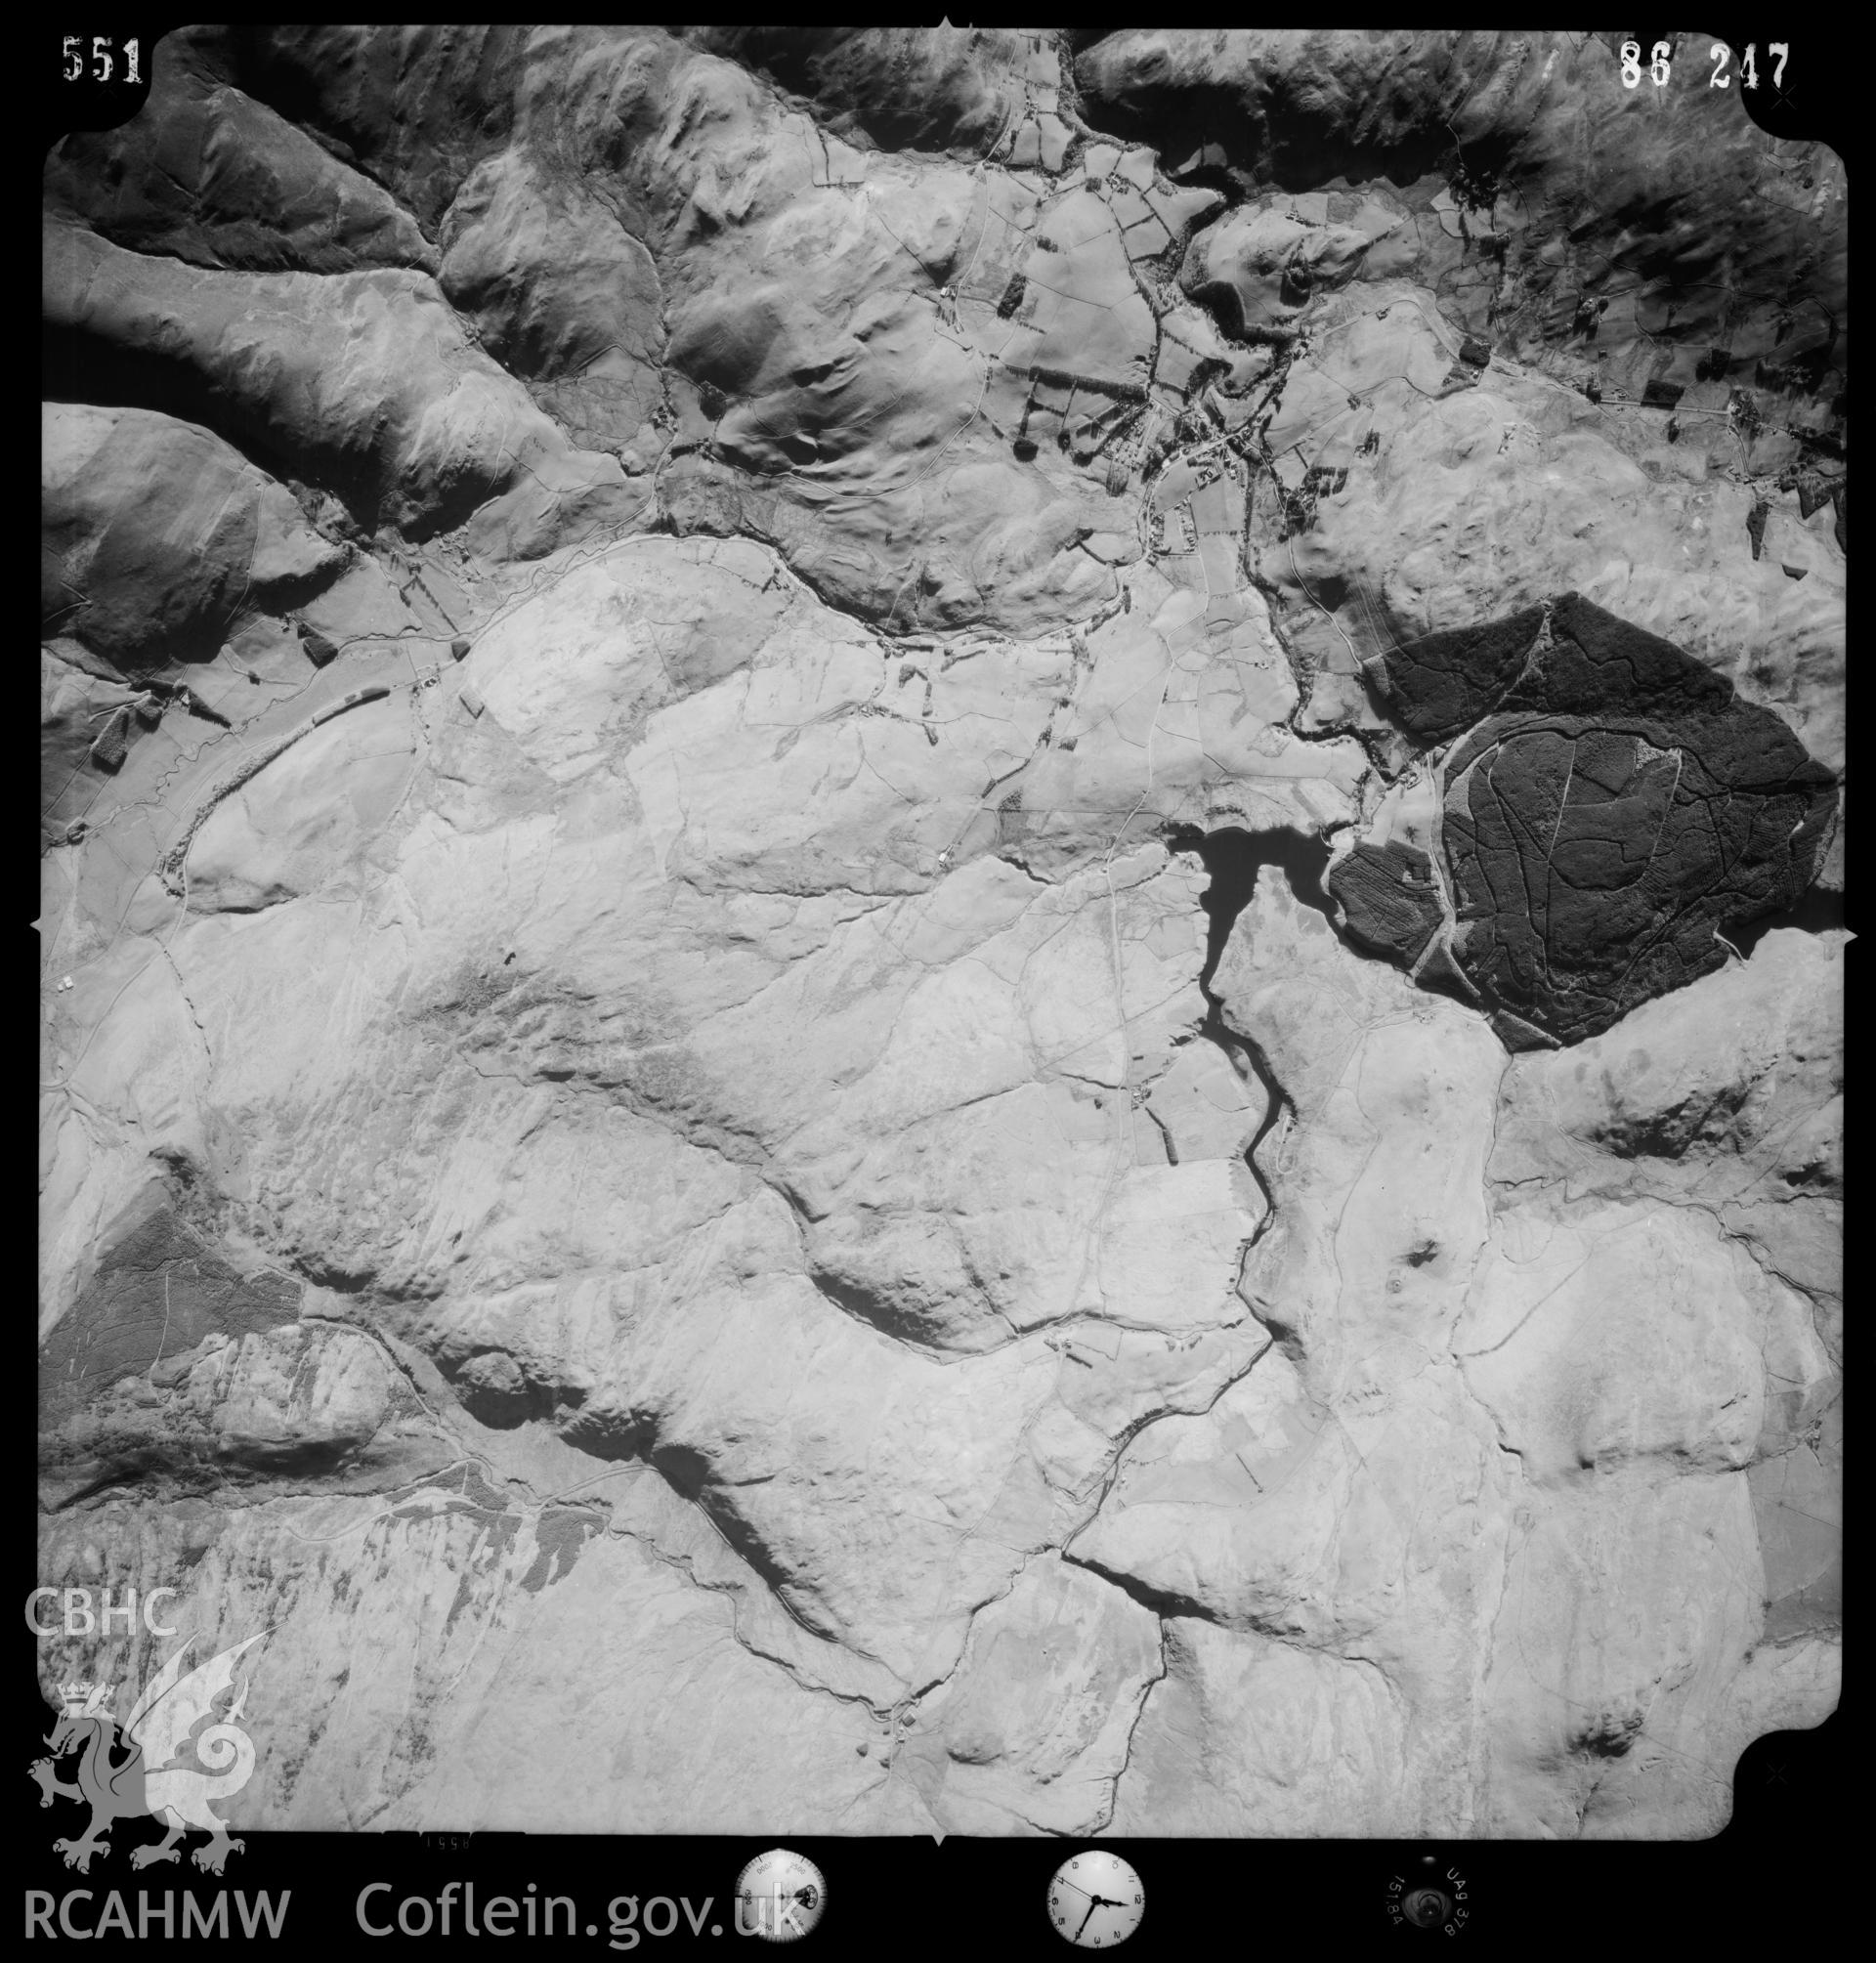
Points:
1719	55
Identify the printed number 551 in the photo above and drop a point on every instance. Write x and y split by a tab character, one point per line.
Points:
102	63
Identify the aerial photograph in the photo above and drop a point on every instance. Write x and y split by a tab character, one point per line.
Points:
941	933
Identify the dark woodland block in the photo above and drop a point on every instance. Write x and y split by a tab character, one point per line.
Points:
1389	897
1598	661
1610	808
1444	975
1516	1034
109	746
1442	683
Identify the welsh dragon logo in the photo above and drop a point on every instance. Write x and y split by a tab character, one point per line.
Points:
145	1781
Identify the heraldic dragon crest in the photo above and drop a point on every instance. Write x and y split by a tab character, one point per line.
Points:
157	1730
